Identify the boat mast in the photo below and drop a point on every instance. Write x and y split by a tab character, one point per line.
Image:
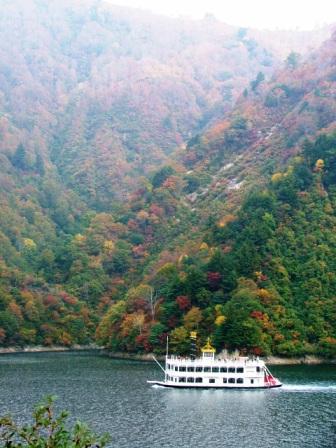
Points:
167	351
193	338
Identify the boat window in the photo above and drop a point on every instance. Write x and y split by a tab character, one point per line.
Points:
211	380
207	369
215	369
225	380
258	369
223	369
199	380
240	380
198	369
176	368
182	379
240	369
232	380
190	369
232	369
182	369
190	380
252	381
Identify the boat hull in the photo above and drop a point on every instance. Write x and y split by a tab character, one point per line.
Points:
177	386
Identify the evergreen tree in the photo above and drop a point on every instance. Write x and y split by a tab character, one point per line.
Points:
19	158
39	164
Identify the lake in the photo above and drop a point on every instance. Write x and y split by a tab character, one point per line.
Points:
113	396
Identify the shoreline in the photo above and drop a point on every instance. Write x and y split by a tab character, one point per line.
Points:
43	349
270	360
148	357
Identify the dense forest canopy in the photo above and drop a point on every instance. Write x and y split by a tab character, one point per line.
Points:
160	176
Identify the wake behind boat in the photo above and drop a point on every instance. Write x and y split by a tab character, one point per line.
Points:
208	371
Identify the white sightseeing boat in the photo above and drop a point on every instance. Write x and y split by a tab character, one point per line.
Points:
209	371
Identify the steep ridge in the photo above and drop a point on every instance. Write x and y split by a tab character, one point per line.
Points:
107	93
258	253
268	124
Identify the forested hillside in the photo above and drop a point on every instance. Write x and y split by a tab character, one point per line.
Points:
129	144
263	281
251	266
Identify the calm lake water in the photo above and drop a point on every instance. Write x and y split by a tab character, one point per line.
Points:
113	396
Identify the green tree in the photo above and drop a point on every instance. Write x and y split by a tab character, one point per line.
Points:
259	79
19	158
161	175
39	164
48	431
292	60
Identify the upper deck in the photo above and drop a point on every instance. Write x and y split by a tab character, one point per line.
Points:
215	361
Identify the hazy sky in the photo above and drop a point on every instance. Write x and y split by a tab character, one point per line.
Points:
303	14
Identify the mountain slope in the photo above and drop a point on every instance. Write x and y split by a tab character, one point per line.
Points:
100	197
108	92
267	265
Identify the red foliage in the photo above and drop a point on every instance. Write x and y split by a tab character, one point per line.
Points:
183	302
139	304
70	300
50	301
2	335
156	210
142	342
139	251
258	315
172	322
132	224
214	279
257	351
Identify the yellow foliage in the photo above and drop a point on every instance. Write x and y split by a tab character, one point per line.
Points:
277	177
79	238
166	269
319	165
142	215
108	246
133	321
27	296
29	244
14	308
220	320
95	263
258	275
264	294
279	337
225	220
141	291
178	335
192	318
204	246
328	208
182	258
219	309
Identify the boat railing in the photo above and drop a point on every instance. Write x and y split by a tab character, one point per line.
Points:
241	359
